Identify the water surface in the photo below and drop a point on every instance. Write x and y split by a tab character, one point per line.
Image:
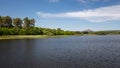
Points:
68	52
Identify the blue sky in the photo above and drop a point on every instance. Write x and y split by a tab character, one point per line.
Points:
74	15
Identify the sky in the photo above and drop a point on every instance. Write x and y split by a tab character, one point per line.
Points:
75	15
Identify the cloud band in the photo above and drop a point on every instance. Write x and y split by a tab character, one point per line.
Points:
102	14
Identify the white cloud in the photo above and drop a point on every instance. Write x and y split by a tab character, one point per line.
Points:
102	14
95	0
53	1
82	1
89	1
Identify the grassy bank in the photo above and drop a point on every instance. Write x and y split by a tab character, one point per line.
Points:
28	36
22	36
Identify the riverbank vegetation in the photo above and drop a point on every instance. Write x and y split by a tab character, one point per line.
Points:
26	26
30	36
17	26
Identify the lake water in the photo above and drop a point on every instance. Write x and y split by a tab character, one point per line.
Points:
68	52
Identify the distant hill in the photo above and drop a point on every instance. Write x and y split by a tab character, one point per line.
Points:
107	32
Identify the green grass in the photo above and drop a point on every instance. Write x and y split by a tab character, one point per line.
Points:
28	36
22	36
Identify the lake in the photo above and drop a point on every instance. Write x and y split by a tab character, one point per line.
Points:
67	52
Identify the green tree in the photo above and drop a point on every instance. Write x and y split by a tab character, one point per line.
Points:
1	23
59	31
7	21
32	22
17	22
26	22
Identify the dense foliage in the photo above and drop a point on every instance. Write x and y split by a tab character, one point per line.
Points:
17	26
33	31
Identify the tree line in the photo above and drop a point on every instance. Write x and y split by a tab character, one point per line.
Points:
8	22
26	26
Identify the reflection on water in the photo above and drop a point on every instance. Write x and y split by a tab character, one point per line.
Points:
69	52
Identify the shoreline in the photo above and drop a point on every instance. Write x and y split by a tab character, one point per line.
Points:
7	37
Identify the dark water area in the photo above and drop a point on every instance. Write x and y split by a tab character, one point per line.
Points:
68	52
